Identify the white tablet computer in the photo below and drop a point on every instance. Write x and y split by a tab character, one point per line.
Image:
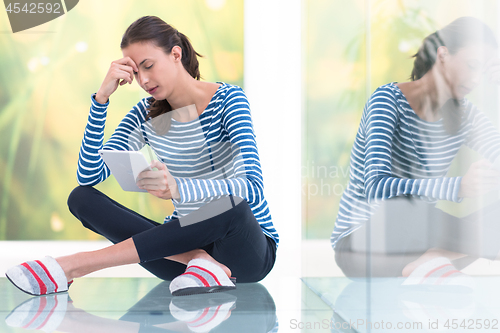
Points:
125	166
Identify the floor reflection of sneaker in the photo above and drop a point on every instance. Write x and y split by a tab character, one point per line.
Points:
40	313
202	313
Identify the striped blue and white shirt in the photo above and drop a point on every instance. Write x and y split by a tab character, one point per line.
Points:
212	156
396	153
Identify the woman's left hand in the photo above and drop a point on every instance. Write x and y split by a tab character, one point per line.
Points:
159	183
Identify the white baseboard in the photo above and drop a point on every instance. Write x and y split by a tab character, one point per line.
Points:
15	252
318	258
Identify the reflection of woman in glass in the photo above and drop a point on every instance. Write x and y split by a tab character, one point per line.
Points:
198	120
408	136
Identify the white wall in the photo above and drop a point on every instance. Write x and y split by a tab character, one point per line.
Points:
273	83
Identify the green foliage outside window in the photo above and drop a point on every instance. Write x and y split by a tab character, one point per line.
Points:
47	75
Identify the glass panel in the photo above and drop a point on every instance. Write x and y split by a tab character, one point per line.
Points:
417	224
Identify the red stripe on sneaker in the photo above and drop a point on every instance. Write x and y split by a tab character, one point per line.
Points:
207	271
201	278
43	304
432	271
50	314
445	275
48	274
203	314
209	320
43	287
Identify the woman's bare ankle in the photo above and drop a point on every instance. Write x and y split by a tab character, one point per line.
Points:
67	265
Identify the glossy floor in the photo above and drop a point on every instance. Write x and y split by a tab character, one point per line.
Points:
137	302
384	304
305	295
146	305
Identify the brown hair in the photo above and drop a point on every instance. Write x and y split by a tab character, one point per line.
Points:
456	35
459	33
155	30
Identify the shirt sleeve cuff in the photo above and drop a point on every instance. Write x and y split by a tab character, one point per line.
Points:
180	188
96	102
456	189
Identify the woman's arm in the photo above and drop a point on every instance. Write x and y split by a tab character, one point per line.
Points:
484	175
247	181
483	137
128	136
380	120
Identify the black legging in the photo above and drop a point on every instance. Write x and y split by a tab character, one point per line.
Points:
403	220
233	238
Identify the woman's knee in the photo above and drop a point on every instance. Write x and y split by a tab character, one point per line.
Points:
78	197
